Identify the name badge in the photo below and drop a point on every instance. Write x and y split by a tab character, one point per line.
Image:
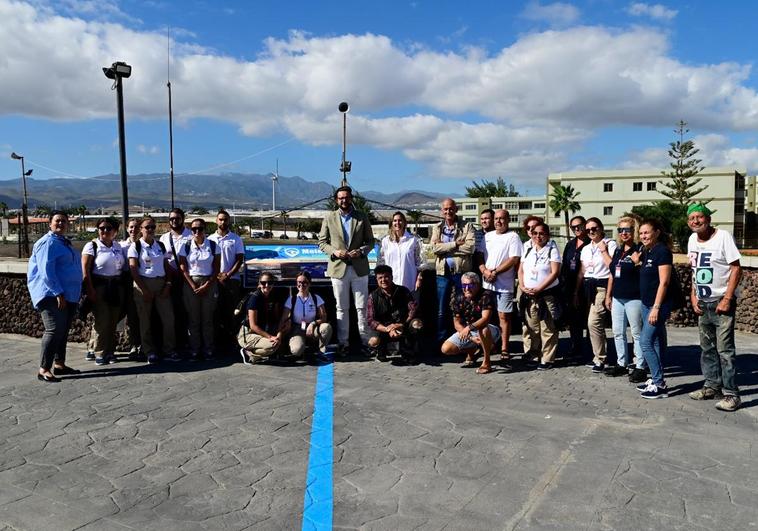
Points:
533	274
303	325
618	272
572	265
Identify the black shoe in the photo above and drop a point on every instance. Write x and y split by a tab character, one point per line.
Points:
342	351
48	379
599	368
615	370
62	371
544	366
638	375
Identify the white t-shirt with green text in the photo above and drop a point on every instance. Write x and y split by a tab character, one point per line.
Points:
710	264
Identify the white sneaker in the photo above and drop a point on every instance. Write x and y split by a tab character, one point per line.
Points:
643	386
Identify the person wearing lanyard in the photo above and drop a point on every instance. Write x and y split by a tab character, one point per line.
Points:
260	337
453	240
199	261
655	275
593	278
304	318
132	317
102	265
229	285
577	319
54	280
538	278
147	263
173	240
623	300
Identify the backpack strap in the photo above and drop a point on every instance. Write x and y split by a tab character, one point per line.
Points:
187	246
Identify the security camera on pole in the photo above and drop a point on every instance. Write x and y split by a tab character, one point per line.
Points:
118	71
346	165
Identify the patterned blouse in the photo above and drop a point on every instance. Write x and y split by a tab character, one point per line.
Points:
470	310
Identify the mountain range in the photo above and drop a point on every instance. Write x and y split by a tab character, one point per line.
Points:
232	190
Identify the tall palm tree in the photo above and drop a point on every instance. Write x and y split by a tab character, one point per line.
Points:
563	199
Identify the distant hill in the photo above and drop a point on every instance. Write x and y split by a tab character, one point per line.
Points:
210	191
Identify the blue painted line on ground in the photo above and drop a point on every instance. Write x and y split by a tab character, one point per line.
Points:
319	498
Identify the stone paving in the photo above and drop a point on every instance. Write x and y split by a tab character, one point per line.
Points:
223	445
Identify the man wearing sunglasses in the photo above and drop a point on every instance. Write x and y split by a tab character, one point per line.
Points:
229	281
577	320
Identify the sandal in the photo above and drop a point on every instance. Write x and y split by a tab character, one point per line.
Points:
484	370
468	364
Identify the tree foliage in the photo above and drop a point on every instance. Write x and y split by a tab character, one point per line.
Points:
682	183
414	216
673	217
198	209
491	189
563	200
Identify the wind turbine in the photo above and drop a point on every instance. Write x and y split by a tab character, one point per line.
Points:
274	180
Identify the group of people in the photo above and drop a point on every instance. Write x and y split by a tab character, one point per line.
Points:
192	282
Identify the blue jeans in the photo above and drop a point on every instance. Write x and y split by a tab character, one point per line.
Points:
623	312
718	358
444	291
57	324
653	341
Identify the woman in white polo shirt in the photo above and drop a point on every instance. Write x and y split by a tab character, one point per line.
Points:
147	262
594	273
401	250
199	261
304	318
538	278
102	263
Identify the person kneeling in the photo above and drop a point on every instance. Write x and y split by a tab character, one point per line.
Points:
472	309
304	319
260	336
391	317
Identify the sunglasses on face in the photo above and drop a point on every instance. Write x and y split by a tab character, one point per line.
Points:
174	219
265	283
105	228
624	230
539	233
197	229
468	286
302	282
577	227
592	229
149	227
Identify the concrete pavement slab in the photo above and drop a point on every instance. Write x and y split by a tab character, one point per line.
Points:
433	446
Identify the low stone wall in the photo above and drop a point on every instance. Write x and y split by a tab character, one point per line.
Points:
19	317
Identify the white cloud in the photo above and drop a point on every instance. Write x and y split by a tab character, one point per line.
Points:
147	150
715	150
525	106
654	11
556	14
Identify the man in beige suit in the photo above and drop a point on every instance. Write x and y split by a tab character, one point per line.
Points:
347	239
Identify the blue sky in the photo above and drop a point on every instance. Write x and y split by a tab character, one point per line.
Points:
441	92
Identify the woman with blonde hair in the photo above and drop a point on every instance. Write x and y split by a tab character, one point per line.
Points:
622	298
401	250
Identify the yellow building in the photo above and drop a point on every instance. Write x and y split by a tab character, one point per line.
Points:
609	194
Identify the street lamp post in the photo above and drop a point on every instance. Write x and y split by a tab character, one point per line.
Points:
346	165
117	72
24	236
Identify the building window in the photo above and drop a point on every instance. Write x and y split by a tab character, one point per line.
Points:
513	218
511	206
557	215
525	205
651	187
497	205
607	211
470	219
607	187
469	207
539	205
637	187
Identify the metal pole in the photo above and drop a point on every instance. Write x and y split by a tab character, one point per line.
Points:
24	212
171	143
344	144
18	232
122	154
